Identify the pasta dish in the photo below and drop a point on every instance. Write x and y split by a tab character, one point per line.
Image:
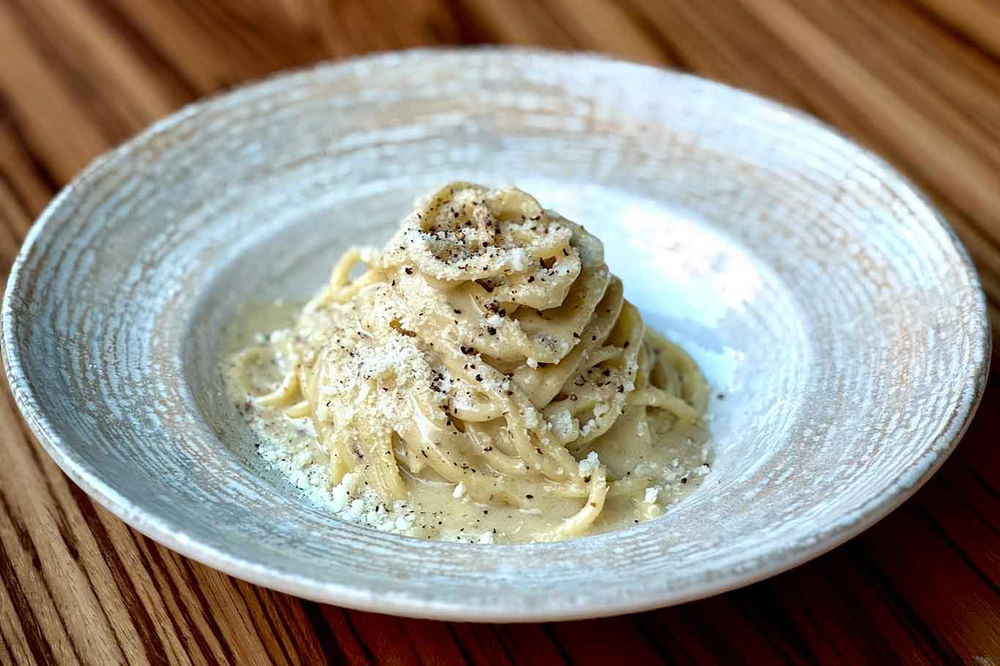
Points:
481	378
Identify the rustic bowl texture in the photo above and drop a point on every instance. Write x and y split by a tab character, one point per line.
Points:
836	316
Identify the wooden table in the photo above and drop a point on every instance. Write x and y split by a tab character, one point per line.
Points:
917	81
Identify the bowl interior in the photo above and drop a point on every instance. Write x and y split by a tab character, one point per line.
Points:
691	280
841	328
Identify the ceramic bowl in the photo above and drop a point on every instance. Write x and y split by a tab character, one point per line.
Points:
837	318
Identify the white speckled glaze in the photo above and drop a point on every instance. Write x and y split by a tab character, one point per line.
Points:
822	295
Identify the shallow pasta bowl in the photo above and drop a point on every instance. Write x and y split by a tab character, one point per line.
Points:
837	318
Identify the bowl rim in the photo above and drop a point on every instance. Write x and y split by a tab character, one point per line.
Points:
174	536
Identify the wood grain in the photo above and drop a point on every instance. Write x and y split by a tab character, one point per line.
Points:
917	81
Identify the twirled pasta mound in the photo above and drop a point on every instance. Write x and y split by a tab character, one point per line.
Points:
488	350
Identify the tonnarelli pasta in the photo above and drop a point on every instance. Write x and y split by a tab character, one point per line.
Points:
487	355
